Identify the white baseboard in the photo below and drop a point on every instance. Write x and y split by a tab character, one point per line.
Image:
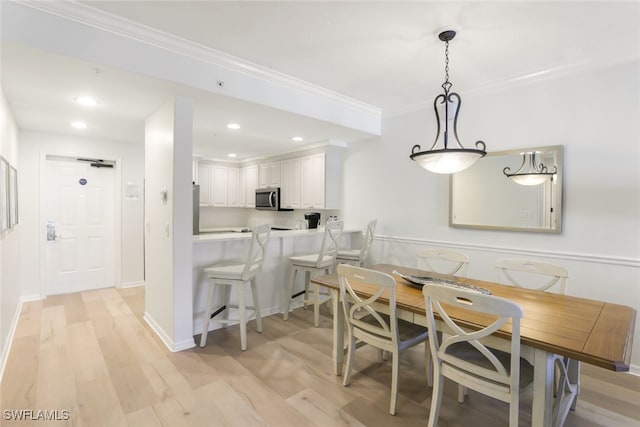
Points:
131	285
634	370
6	348
166	339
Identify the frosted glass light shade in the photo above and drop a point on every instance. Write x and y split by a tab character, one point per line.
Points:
531	178
447	160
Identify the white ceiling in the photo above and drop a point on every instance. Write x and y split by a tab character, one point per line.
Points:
385	54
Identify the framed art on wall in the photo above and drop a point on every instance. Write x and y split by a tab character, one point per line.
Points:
13	196
4	195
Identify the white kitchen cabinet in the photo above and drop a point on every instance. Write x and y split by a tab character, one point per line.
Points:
235	198
204	180
250	185
290	180
321	182
312	185
269	175
219	186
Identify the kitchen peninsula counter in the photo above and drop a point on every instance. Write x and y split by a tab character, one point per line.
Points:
219	234
218	246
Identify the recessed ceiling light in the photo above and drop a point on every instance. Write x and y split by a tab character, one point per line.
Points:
231	155
86	101
297	138
233	126
78	124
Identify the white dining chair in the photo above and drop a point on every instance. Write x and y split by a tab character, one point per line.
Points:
544	276
530	274
311	264
461	356
358	256
384	331
236	275
443	261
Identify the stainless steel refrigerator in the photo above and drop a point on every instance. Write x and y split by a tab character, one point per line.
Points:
196	209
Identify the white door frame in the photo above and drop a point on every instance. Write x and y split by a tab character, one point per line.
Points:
117	215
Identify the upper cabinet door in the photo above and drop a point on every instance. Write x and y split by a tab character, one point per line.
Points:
204	179
291	177
312	183
269	175
219	182
234	196
251	183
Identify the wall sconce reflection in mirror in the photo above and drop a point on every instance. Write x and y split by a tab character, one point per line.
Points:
481	196
530	172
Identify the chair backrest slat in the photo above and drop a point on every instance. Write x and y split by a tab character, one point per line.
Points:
368	241
355	307
531	274
330	242
257	251
443	261
440	298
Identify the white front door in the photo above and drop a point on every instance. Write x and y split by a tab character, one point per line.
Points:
79	203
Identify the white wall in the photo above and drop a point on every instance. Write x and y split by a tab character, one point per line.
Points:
593	114
33	145
10	291
168	236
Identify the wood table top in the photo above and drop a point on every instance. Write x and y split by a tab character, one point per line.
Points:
594	332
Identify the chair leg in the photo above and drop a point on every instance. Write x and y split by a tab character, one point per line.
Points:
307	280
428	363
316	305
351	350
243	317
227	300
462	393
289	292
256	305
436	400
395	368
514	409
207	314
329	271
573	368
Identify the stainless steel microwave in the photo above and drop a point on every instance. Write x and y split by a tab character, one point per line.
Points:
268	199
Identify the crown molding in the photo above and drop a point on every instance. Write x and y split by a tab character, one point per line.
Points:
92	17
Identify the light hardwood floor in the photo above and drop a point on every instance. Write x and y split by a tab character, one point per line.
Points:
92	354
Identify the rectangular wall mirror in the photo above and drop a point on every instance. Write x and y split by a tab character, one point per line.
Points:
484	197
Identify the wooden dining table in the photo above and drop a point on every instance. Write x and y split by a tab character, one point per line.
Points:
594	332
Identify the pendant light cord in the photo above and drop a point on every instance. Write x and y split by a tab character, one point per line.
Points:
446	85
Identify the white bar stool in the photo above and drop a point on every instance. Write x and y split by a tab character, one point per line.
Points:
237	275
313	264
357	257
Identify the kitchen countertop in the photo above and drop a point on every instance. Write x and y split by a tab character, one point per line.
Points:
218	234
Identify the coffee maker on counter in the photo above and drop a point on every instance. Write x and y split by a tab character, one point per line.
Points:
313	219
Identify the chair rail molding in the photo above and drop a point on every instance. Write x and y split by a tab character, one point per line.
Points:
556	255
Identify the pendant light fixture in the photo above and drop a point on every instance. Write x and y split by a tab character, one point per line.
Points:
450	158
530	172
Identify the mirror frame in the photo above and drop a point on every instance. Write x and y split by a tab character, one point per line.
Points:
559	149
